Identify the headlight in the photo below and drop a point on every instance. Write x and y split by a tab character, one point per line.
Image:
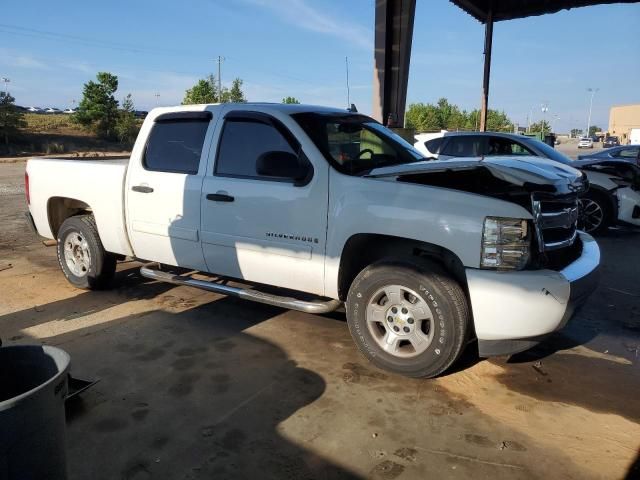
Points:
505	243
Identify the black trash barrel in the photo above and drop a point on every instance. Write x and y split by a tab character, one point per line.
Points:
33	386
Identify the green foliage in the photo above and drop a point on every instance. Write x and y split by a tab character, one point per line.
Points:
206	91
593	129
98	109
126	125
541	126
290	100
235	93
447	116
11	119
576	132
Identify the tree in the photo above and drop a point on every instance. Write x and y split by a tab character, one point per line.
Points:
576	132
206	91
290	100
593	129
98	109
235	93
126	125
541	126
445	115
11	119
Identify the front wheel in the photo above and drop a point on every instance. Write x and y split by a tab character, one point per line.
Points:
408	317
596	212
81	255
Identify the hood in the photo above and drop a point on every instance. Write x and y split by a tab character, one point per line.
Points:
531	173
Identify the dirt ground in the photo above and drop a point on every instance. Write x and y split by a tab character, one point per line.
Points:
195	385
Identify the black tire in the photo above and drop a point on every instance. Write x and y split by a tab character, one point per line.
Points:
101	264
603	203
441	293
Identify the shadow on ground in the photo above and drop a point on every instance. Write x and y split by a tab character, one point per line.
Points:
181	394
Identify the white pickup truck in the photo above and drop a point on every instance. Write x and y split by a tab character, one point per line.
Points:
331	206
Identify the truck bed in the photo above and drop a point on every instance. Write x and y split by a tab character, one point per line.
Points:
97	183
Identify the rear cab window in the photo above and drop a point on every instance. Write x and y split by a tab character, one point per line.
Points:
175	143
434	145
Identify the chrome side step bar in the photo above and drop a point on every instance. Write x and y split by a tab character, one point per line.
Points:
319	306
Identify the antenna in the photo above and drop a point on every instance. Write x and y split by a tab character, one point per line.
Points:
346	63
220	60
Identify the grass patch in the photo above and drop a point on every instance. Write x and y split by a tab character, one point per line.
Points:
37	123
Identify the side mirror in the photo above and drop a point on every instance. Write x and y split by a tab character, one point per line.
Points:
282	165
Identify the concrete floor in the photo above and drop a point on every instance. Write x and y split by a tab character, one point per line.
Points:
197	385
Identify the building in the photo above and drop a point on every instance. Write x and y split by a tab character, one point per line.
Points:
622	118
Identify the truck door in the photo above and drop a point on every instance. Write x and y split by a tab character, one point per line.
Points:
163	188
259	227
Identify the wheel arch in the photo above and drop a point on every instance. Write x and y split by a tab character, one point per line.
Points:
363	249
609	196
61	208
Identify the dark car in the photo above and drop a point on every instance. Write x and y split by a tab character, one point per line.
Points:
600	205
627	153
610	142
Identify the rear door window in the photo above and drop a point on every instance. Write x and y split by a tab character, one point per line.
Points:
628	152
467	146
175	146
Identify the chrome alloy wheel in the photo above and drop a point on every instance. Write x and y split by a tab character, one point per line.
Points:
76	254
400	321
592	214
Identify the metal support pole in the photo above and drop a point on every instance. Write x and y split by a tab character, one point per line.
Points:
488	41
392	55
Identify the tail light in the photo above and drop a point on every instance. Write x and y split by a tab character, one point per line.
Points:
26	187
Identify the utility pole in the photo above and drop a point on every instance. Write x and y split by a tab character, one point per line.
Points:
157	95
6	85
346	62
530	120
593	92
545	108
220	60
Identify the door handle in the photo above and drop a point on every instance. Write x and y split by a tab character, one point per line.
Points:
220	197
142	189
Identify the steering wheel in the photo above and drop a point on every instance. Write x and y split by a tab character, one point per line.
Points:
371	152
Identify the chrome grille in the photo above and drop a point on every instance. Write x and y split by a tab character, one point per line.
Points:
556	221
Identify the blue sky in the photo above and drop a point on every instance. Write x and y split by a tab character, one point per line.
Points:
298	47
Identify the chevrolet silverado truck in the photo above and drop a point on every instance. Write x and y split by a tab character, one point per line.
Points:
310	208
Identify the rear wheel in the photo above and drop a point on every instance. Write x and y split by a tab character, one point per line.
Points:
81	255
408	317
596	212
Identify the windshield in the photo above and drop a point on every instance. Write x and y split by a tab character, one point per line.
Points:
549	152
355	144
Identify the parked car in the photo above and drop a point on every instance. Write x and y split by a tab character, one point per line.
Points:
140	114
614	193
69	111
331	205
34	109
586	142
628	153
52	110
610	142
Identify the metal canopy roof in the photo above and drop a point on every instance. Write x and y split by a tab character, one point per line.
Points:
511	9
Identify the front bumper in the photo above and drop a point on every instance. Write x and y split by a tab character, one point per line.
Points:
513	311
628	206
